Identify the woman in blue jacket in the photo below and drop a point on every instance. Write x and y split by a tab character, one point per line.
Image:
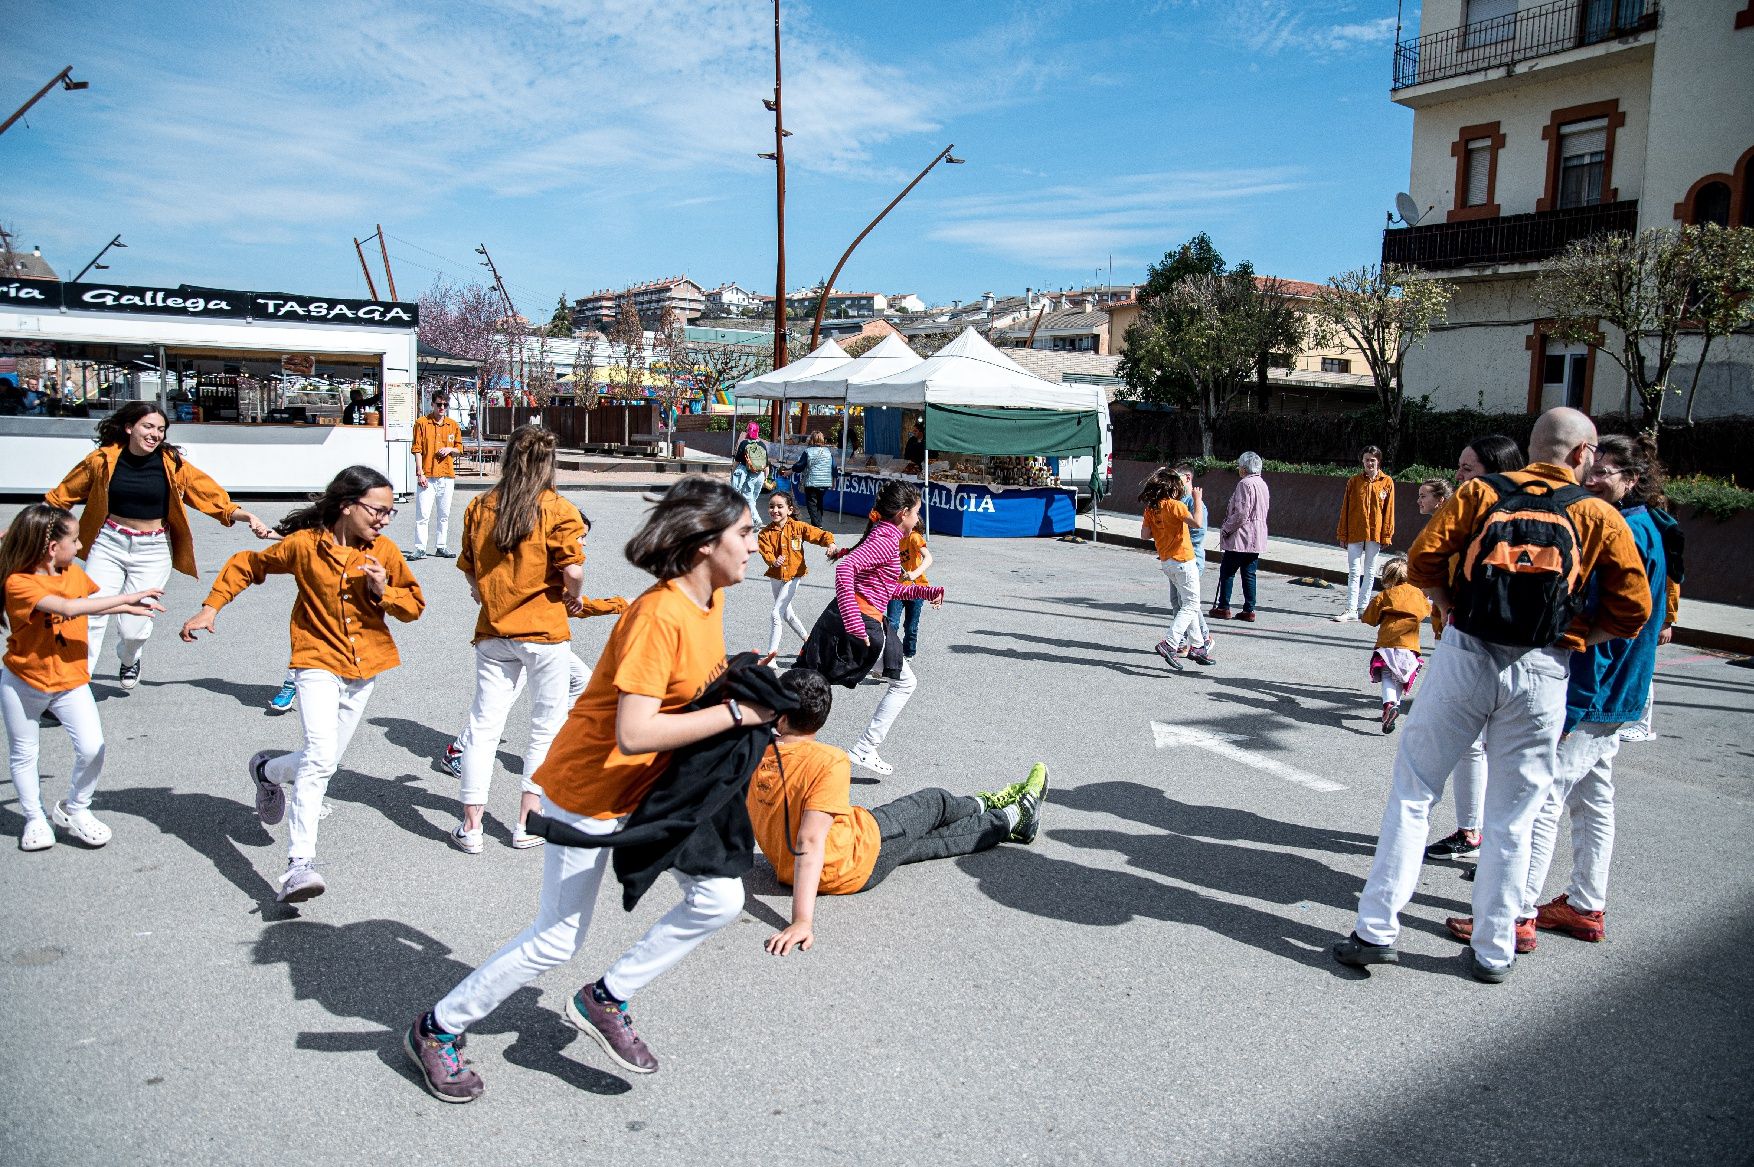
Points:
816	471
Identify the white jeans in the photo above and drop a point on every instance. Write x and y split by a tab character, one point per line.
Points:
1584	785
330	709
119	564
895	698
570	879
1468	786
1360	574
1517	696
1184	602
500	669
436	492
22	704
783	591
1391	689
1643	723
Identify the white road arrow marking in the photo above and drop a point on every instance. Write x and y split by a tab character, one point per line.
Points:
1224	745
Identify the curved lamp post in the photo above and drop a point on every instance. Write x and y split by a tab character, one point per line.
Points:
64	79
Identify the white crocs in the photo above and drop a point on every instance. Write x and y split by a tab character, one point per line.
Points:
37	835
82	825
865	756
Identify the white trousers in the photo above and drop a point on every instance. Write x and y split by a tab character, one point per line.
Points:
1184	602
1650	704
22	704
330	709
1391	689
119	564
783	591
1583	785
436	494
1360	574
895	698
501	667
1468	786
1517	697
570	879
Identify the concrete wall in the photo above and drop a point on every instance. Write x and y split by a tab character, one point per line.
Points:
1702	101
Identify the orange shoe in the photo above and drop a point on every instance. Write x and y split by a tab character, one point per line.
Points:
1560	916
1462	928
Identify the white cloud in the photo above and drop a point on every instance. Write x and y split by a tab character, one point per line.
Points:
1315	27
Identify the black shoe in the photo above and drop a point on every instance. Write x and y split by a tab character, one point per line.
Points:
1486	975
1168	655
129	675
1456	845
1355	953
444	554
1029	803
892	674
413	555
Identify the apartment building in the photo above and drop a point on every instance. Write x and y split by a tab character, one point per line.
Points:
730	300
676	294
1535	125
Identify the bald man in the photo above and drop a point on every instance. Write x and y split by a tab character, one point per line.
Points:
1514	694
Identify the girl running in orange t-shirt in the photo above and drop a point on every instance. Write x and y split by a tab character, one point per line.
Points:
46	667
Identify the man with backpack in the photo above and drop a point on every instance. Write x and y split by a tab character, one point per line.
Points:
1528	542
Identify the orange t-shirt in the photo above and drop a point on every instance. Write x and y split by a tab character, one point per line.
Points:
782	546
913	549
521	589
1397	612
1167	522
45	651
818	777
664	646
432	436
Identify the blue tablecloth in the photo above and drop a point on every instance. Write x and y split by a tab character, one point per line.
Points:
981	512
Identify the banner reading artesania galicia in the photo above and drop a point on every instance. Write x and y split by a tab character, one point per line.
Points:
207	304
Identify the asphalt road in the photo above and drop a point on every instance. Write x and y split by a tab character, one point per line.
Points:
1148	983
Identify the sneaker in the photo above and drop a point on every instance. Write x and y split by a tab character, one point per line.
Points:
468	842
1560	916
82	825
1356	953
282	700
37	835
1217	613
1457	845
523	840
1029	804
444	1073
417	553
1000	799
1462	928
866	756
453	759
1202	655
1168	655
300	883
1637	733
129	675
609	1023
1345	617
1390	711
443	554
270	795
1486	974
1249	616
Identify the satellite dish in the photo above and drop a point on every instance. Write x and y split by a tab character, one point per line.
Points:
1409	210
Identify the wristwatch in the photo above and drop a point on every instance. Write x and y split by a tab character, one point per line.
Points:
736	712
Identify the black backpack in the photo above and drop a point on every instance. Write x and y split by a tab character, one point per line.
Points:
1521	584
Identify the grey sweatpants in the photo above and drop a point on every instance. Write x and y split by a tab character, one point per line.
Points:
933	824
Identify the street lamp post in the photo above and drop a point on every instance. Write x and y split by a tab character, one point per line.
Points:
943	155
65	80
778	158
116	242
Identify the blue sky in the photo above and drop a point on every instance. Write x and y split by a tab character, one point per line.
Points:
592	143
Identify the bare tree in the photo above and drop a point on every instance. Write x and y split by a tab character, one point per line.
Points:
584	370
673	375
628	351
465	320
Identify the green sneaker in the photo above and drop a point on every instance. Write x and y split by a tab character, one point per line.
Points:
1000	799
1029	805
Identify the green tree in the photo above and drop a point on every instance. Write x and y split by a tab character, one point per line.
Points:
560	324
1196	257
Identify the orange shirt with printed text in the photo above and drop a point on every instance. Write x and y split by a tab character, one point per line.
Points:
1167	523
1367	512
432	436
521	589
782	546
46	651
664	646
817	777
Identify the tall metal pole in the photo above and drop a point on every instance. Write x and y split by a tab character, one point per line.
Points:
384	250
780	356
116	242
64	79
364	267
511	311
822	299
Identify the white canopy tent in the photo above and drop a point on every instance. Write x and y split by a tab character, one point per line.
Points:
888	357
774	385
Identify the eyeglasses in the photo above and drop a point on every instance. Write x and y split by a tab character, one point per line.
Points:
1606	470
385	513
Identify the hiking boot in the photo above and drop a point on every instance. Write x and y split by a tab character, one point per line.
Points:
1390	711
1356	953
283	699
129	675
270	795
609	1023
1168	655
82	825
300	883
444	1073
1029	804
1560	916
1459	844
1462	928
1217	613
1249	616
452	759
866	756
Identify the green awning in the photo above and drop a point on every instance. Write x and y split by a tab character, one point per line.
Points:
997	431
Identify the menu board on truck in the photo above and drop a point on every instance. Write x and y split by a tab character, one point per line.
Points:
400	399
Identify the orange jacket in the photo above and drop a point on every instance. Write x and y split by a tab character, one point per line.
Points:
1396	613
1367	513
432	436
782	545
89	483
1605	549
337	625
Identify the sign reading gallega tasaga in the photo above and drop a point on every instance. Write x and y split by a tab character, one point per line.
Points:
206	304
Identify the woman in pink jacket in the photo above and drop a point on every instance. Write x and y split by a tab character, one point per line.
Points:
1242	538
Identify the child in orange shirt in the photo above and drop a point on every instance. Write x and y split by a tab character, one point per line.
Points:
46	670
903	616
805	823
1396	612
1169	524
350	577
781	544
1366	526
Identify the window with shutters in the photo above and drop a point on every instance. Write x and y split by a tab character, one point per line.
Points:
1476	153
1583	154
1479	163
1489	22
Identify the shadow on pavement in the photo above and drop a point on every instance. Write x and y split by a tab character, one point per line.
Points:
384	972
250	696
1288	701
208	825
1137	802
1014	654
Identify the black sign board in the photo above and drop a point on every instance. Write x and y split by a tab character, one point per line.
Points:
207	304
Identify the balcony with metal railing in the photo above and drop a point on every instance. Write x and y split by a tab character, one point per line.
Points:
1506	240
1528	34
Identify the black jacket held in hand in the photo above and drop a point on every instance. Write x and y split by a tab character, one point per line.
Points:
695	817
839	657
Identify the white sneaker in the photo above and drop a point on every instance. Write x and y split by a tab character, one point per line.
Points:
866	756
523	840
300	883
37	835
1636	733
468	842
82	826
1344	617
